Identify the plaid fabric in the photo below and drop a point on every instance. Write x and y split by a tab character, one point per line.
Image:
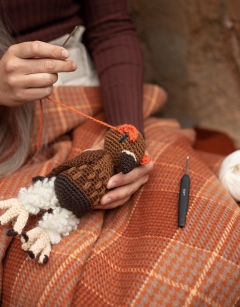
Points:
134	255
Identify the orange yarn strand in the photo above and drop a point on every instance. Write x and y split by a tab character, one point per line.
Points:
40	127
131	130
87	116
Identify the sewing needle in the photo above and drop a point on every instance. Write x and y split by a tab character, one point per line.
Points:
73	31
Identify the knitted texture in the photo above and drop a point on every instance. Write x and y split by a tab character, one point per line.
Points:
116	143
39	242
110	37
134	255
70	197
39	196
72	190
82	181
76	187
16	212
60	222
128	162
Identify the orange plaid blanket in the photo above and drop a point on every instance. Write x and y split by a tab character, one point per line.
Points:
134	255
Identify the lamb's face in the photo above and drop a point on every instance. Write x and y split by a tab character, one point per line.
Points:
126	151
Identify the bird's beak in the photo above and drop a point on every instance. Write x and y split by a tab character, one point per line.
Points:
128	161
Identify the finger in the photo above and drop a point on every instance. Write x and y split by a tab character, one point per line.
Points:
114	204
123	191
32	94
124	179
33	81
33	66
37	49
97	146
47	65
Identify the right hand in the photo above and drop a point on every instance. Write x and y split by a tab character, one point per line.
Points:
29	70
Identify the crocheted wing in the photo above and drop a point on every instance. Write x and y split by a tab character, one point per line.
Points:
86	157
80	187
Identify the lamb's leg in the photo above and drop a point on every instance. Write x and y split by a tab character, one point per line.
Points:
15	213
50	230
39	196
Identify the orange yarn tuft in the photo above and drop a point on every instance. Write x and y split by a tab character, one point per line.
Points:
131	130
145	160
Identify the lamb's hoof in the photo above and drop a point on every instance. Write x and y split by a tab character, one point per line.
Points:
38	178
25	237
45	260
12	233
31	254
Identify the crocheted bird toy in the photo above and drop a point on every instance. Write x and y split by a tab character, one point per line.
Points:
71	190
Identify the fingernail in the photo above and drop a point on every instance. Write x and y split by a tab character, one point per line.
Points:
107	201
112	185
74	65
65	53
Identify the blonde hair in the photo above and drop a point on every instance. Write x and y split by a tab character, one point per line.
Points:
15	125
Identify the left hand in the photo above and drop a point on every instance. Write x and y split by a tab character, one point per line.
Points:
123	185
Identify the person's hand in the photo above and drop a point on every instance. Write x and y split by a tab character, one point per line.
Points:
123	185
29	70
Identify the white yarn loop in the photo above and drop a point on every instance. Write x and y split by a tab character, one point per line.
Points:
58	223
41	195
229	174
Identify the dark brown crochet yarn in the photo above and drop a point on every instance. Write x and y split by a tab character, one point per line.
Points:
81	182
70	197
127	162
114	146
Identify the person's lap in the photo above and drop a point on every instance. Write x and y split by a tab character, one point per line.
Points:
136	255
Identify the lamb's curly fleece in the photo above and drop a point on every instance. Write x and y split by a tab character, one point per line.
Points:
41	196
58	223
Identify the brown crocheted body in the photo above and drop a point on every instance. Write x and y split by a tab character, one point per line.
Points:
81	182
114	146
80	187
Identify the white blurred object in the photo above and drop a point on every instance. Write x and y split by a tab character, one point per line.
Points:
85	74
229	174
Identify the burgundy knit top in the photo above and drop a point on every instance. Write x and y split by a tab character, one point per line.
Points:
110	38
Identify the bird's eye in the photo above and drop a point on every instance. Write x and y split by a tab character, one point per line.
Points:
123	138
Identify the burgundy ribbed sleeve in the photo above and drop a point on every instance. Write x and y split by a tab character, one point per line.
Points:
39	19
110	37
113	43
